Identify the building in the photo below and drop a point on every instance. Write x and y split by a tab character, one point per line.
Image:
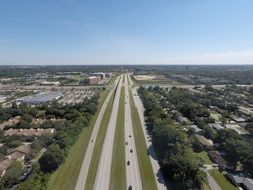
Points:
29	132
216	126
101	75
237	128
195	128
183	120
216	157
237	119
10	122
94	80
206	142
238	179
43	98
47	83
4	165
17	154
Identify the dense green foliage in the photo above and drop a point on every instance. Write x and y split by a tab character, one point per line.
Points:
171	145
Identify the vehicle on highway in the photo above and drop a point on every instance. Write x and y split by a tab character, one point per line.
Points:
130	136
128	162
131	150
126	143
130	187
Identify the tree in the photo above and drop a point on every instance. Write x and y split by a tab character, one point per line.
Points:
13	174
51	159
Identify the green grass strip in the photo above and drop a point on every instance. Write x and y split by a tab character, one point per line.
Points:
98	146
221	180
118	170
66	175
146	171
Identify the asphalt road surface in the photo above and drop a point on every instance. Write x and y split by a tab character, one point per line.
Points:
160	183
211	182
80	184
133	177
102	181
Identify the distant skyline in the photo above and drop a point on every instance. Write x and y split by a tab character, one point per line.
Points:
55	32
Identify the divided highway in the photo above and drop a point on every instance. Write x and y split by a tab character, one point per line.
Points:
104	168
132	166
133	176
80	184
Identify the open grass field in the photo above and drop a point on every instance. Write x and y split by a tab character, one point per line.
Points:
64	178
118	170
221	180
146	171
98	146
203	157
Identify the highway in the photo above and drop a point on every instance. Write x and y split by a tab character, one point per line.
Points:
160	182
80	184
133	177
102	180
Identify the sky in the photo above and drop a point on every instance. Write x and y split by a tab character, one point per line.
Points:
93	32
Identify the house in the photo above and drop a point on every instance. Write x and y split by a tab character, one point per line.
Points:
19	153
195	128
10	122
239	179
216	126
237	119
206	142
4	165
237	128
216	157
183	120
29	132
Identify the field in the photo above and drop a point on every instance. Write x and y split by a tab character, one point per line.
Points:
65	177
118	170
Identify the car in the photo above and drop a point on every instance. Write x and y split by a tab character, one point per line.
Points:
128	162
130	136
126	143
131	150
130	187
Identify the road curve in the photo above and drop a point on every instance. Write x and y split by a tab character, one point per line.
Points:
104	168
133	177
81	180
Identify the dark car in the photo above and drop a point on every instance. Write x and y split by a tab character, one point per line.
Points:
128	162
126	143
130	187
131	151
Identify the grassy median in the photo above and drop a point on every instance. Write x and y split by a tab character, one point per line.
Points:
98	146
146	171
66	175
118	169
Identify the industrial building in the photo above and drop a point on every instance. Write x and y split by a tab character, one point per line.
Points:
43	98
